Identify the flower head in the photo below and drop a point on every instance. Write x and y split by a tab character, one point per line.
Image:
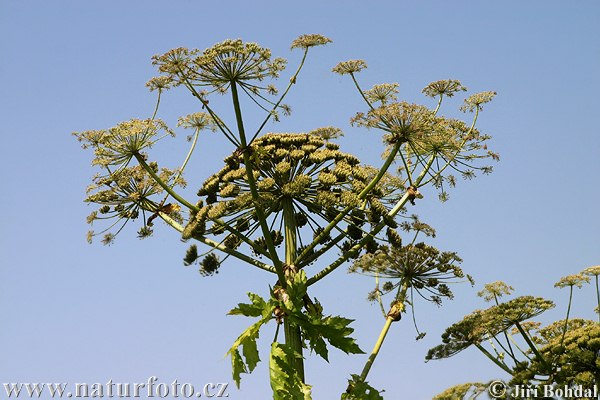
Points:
404	121
159	83
382	93
574	354
225	63
495	290
475	101
327	133
572	280
310	40
422	268
126	194
592	271
349	67
198	120
117	145
482	325
313	174
446	87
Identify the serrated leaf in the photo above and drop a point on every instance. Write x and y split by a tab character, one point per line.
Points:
360	390
296	291
237	367
250	351
333	329
285	381
247	340
256	309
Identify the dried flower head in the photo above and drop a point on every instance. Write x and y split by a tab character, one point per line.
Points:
403	121
495	290
225	63
528	326
382	93
126	194
447	87
159	83
198	120
310	40
117	145
572	280
475	101
422	268
349	67
592	271
327	133
482	325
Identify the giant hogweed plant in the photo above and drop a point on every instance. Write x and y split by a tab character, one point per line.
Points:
564	353
283	201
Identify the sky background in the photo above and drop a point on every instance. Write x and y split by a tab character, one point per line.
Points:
74	312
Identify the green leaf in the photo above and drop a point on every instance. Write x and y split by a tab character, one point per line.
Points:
237	366
296	291
360	390
256	309
285	381
333	329
247	340
250	351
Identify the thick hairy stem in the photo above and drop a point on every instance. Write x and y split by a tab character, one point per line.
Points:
260	214
376	348
293	336
393	315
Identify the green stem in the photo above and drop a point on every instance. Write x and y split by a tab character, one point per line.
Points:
567	317
376	348
292	82
494	359
293	336
240	236
185	161
357	247
393	315
512	353
362	195
218	121
533	347
157	105
598	297
218	246
262	220
512	339
162	184
438	104
361	92
379	297
439	172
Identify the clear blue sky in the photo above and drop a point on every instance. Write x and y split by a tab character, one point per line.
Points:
72	312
